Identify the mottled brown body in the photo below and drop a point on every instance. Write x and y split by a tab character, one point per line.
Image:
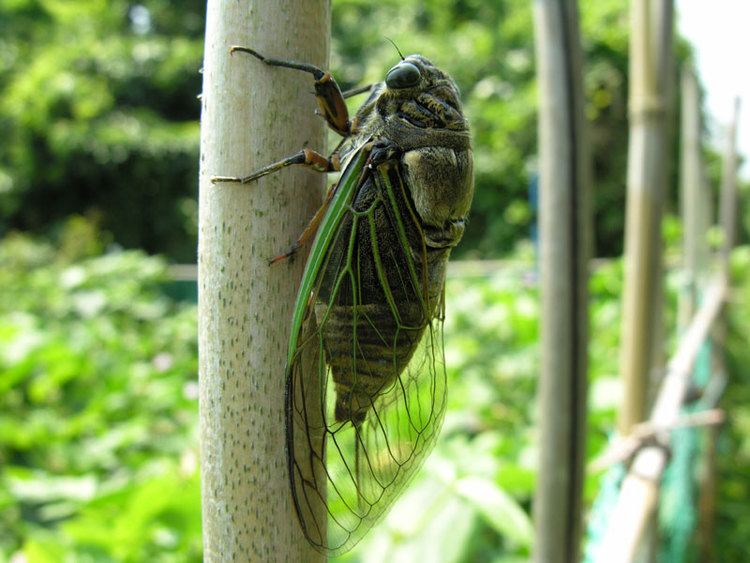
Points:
369	338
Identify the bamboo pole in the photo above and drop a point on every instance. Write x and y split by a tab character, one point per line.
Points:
662	41
252	115
565	247
690	193
728	193
647	157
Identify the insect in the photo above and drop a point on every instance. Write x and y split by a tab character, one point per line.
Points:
366	380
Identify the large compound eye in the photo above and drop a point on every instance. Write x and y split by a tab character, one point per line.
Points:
403	75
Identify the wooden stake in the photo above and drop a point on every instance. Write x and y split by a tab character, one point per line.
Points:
728	194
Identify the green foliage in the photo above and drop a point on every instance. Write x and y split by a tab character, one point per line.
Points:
98	412
99	112
98	385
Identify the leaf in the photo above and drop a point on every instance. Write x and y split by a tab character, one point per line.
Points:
36	486
500	510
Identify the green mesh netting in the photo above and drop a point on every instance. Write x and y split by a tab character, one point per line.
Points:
678	503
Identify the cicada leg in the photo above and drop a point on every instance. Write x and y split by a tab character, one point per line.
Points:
332	108
307	234
306	157
357	91
327	91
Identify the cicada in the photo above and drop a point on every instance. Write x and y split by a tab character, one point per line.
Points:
366	378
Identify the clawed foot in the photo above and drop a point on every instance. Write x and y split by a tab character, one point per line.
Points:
381	152
289	255
219	179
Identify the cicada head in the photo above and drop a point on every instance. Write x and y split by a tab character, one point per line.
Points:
421	93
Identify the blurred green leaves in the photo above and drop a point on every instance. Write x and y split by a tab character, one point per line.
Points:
98	376
98	411
99	115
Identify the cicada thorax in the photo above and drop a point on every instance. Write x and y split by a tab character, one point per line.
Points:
373	318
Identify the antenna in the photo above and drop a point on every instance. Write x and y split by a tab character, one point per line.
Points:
396	46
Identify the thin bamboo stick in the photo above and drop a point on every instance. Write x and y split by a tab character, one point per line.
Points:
663	44
727	220
646	178
690	193
728	194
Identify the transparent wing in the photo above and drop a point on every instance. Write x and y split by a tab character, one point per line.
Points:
366	378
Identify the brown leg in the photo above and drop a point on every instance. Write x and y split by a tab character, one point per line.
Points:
357	91
327	91
307	234
306	157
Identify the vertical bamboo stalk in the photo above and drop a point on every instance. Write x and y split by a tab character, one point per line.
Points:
706	220
728	194
252	115
690	193
663	44
646	177
565	241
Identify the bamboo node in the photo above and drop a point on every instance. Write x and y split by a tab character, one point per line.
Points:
644	108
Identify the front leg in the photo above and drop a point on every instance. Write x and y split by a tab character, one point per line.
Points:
383	151
306	157
327	91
